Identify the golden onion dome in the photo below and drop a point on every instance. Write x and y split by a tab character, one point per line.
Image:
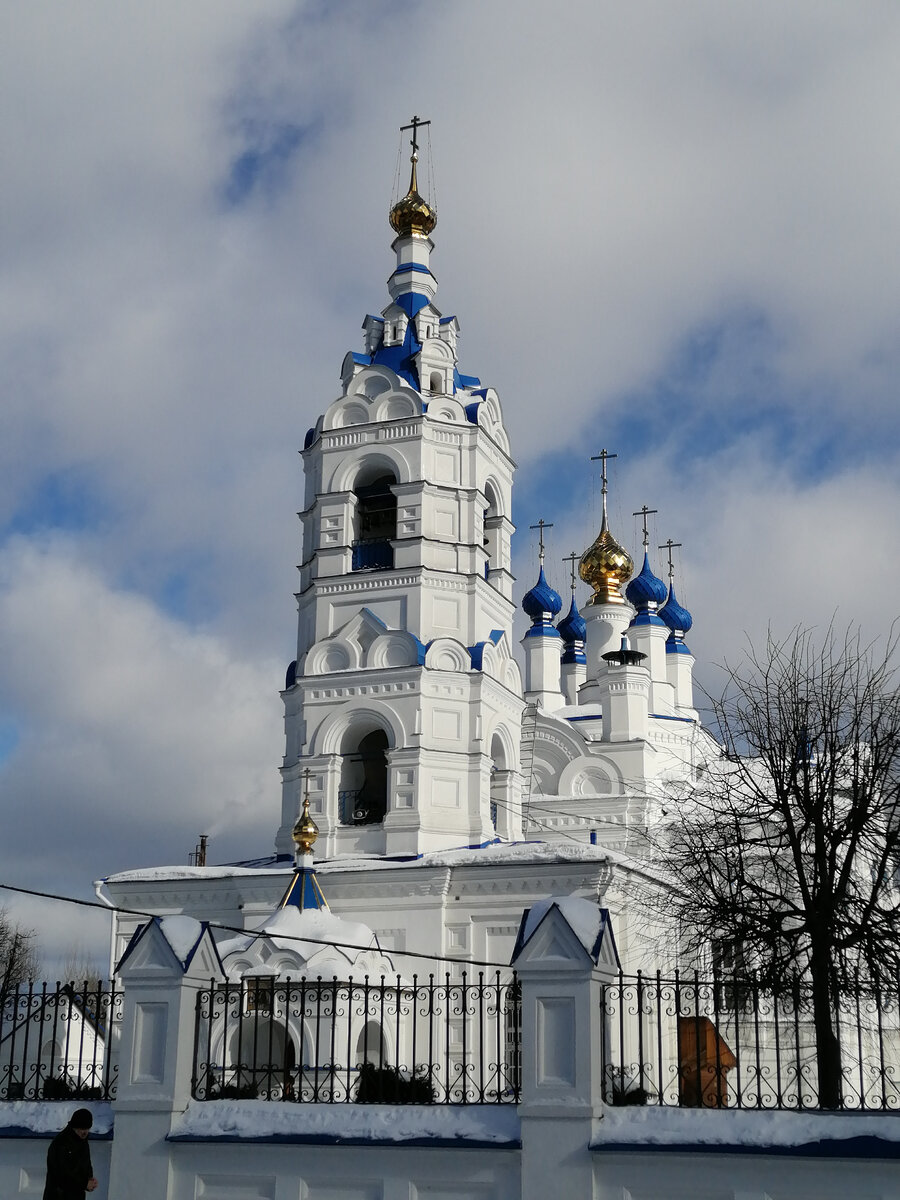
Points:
305	829
412	215
606	566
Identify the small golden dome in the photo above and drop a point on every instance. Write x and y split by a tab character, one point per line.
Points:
305	829
606	566
412	215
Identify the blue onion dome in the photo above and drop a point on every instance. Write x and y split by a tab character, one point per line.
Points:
541	601
646	591
678	619
572	626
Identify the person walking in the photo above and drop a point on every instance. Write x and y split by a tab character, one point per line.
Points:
69	1170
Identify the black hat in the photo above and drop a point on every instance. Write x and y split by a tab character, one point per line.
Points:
81	1119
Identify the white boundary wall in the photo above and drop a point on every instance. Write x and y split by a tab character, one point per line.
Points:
561	1144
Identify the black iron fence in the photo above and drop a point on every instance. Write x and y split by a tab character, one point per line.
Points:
58	1042
732	1043
331	1041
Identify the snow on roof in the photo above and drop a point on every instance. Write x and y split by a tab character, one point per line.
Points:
182	934
661	1126
495	852
585	918
235	1119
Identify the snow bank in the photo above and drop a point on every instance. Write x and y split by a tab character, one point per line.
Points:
657	1126
50	1116
254	1119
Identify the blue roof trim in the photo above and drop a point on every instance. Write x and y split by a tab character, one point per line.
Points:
572	656
364	359
470	381
543	629
587	717
304	892
446	320
476	652
338	1139
372	317
369	613
673	646
666	717
866	1146
412	266
648	618
310	438
402	359
472	412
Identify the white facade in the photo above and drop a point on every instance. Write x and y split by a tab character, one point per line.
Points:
448	791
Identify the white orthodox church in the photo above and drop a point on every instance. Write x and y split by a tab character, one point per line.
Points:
445	793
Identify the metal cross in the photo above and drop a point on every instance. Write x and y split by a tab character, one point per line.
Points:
670	546
645	512
541	525
603	456
414	126
572	558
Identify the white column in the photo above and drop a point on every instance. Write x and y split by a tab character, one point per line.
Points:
562	1044
156	1059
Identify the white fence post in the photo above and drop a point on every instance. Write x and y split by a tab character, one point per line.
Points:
564	953
161	971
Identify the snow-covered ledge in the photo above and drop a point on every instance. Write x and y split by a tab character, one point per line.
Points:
495	1125
777	1132
45	1118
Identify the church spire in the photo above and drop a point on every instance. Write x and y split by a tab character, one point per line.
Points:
605	565
413	216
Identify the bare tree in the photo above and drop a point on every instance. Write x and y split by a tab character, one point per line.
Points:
83	970
19	959
788	848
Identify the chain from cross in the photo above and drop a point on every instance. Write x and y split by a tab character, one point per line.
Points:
645	512
572	559
670	546
415	126
541	525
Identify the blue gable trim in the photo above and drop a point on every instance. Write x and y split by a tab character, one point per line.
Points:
470	381
363	359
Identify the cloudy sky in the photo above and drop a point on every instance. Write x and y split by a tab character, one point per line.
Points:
670	230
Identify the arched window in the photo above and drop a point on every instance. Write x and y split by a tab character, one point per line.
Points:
362	797
376	523
437	383
262	1058
370	1045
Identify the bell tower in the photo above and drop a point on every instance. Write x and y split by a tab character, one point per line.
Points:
404	702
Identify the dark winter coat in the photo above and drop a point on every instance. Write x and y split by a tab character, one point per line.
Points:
68	1166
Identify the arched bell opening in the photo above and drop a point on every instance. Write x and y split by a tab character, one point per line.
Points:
491	537
363	791
501	793
375	521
